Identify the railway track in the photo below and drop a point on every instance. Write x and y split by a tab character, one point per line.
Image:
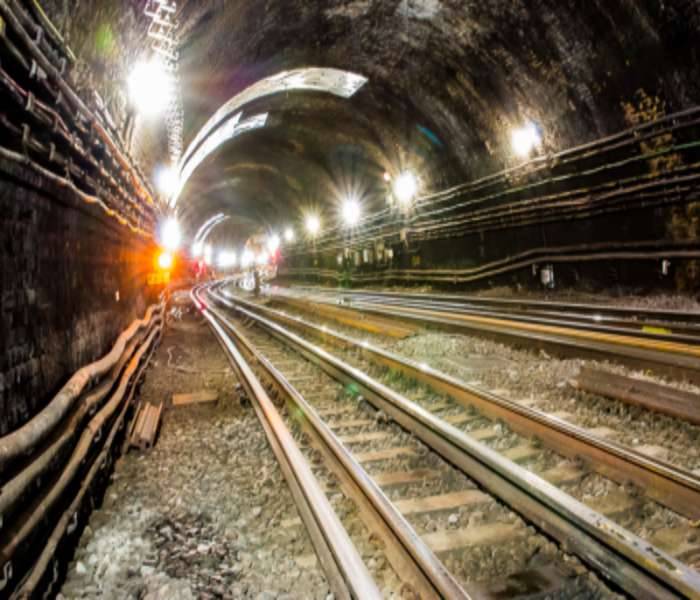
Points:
641	465
664	342
655	321
446	485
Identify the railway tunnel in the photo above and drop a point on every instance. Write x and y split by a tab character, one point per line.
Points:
349	299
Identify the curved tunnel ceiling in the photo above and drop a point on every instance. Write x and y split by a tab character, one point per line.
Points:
448	81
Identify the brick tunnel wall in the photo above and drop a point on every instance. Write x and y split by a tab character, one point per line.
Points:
72	280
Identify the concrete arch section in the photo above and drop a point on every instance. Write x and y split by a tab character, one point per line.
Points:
227	122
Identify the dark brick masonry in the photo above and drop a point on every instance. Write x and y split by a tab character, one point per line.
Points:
72	279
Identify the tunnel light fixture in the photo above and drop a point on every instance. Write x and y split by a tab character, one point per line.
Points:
351	212
405	188
313	225
166	180
273	243
151	87
247	258
170	234
208	254
289	235
165	261
226	259
526	139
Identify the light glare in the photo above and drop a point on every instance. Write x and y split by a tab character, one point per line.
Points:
525	140
170	235
313	224
166	180
226	259
150	87
405	187
289	235
351	212
165	261
273	243
247	259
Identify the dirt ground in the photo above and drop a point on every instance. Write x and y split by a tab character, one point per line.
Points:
202	514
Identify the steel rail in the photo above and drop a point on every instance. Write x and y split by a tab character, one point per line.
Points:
430	566
670	357
323	550
631	563
658	330
580	309
655	330
354	571
666	483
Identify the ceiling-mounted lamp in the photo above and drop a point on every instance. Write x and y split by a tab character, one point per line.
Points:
526	139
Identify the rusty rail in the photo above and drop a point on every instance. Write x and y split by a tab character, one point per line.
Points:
647	394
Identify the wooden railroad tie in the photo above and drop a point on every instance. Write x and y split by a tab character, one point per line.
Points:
143	436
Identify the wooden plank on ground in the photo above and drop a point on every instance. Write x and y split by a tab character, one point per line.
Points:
143	435
195	398
650	395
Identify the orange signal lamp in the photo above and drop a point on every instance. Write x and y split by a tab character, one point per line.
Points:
165	261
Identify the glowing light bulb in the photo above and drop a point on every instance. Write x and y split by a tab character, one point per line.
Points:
525	140
405	187
166	180
289	235
351	212
273	243
165	261
226	259
313	224
170	234
150	87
